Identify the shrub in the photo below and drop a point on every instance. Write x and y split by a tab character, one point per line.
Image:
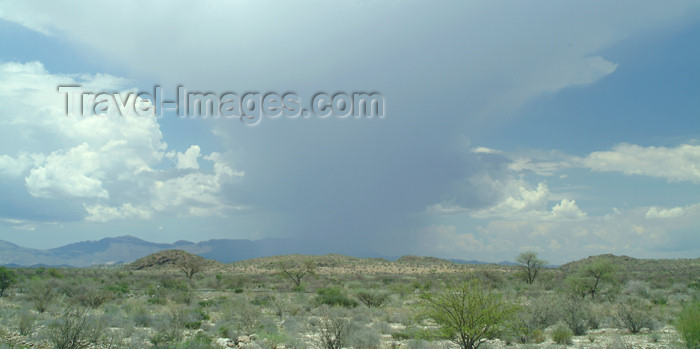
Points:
190	318
41	294
262	300
364	338
167	332
372	299
247	318
26	323
414	333
634	315
540	313
562	334
7	279
69	331
467	313
120	288
576	314
55	273
637	287
658	297
90	297
688	325
334	296
142	317
272	339
95	329
333	328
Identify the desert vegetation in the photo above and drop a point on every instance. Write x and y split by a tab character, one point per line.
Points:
176	300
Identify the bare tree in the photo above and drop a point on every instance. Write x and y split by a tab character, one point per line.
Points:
296	270
333	328
190	265
70	330
530	265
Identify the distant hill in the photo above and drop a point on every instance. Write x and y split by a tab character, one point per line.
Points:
167	259
417	260
262	254
126	249
462	261
643	269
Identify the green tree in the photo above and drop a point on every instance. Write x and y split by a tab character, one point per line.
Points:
467	313
530	265
595	272
7	279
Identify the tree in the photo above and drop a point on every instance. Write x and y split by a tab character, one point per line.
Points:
7	279
296	269
596	271
190	265
467	313
530	265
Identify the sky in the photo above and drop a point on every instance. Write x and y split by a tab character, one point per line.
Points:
566	128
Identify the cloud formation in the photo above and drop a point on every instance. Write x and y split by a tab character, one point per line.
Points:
104	163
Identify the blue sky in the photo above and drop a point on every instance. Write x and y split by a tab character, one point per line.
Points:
568	128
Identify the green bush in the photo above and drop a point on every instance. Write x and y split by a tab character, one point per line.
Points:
334	296
55	273
7	278
688	325
562	334
372	299
120	288
467	313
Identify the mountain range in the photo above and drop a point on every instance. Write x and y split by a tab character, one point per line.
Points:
125	249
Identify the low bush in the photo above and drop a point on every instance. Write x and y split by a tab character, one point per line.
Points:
372	299
562	334
69	331
688	325
334	296
634	315
364	337
26	323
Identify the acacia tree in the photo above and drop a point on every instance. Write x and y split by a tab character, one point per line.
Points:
467	313
7	279
296	270
597	271
190	265
588	278
530	265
